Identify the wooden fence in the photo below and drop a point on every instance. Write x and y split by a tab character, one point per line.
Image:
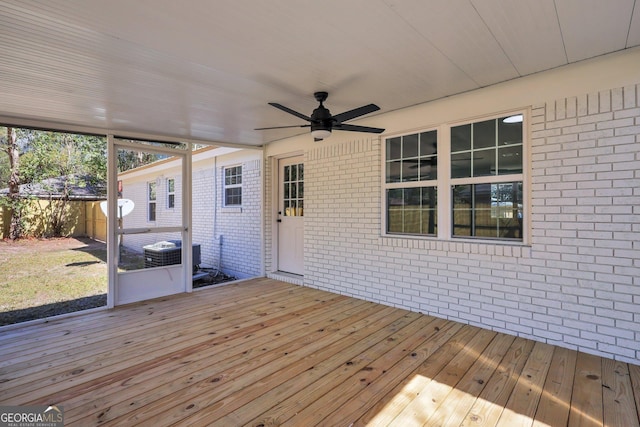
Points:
85	219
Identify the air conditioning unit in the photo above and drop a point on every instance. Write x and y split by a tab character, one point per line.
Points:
169	252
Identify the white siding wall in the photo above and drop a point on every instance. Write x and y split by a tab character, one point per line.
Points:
578	283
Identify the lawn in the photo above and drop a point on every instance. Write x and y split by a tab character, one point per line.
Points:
46	277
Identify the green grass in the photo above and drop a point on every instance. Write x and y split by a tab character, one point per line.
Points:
41	278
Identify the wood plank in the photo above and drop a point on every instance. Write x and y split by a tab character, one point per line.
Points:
65	375
522	404
258	398
634	375
140	385
360	370
586	401
120	320
489	406
457	404
432	396
227	393
392	404
214	364
306	409
617	395
271	353
554	405
374	394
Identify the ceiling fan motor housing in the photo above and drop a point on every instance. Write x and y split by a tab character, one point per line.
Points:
321	119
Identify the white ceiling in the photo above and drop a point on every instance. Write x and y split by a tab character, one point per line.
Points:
205	69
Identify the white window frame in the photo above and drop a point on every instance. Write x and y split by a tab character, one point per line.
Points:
226	186
151	201
444	182
171	193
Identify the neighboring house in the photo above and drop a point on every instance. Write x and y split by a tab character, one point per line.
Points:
70	187
226	212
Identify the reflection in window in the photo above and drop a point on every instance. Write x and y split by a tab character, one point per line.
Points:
488	210
412	210
293	190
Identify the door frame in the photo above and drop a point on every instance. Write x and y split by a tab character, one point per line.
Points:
183	281
275	202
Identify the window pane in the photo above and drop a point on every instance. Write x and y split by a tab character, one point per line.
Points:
510	159
484	134
410	170
171	186
410	146
428	168
461	210
394	148
287	192
429	210
488	210
294	172
484	223
393	171
294	190
461	138
287	173
301	172
509	133
428	143
301	190
172	201
152	191
412	197
461	165
394	210
484	162
412	220
152	211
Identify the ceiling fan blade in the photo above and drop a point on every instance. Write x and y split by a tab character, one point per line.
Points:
284	127
356	128
356	112
290	111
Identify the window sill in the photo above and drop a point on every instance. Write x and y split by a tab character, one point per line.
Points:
488	242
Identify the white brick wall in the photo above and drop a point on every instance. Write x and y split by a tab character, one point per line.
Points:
238	229
576	285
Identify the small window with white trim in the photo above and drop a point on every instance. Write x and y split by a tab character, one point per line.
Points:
233	186
151	201
171	193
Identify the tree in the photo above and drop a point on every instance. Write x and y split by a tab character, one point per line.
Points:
13	202
58	163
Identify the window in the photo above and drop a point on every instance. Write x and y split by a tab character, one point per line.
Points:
171	193
151	201
233	186
479	184
411	193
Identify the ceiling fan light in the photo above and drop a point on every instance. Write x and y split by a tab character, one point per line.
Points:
321	133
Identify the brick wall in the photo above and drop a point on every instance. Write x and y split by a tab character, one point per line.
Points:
576	285
229	238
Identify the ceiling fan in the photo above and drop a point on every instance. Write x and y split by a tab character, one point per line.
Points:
322	122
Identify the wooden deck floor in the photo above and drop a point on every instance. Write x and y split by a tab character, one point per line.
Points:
263	352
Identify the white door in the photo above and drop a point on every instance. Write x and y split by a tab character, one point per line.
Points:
290	220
